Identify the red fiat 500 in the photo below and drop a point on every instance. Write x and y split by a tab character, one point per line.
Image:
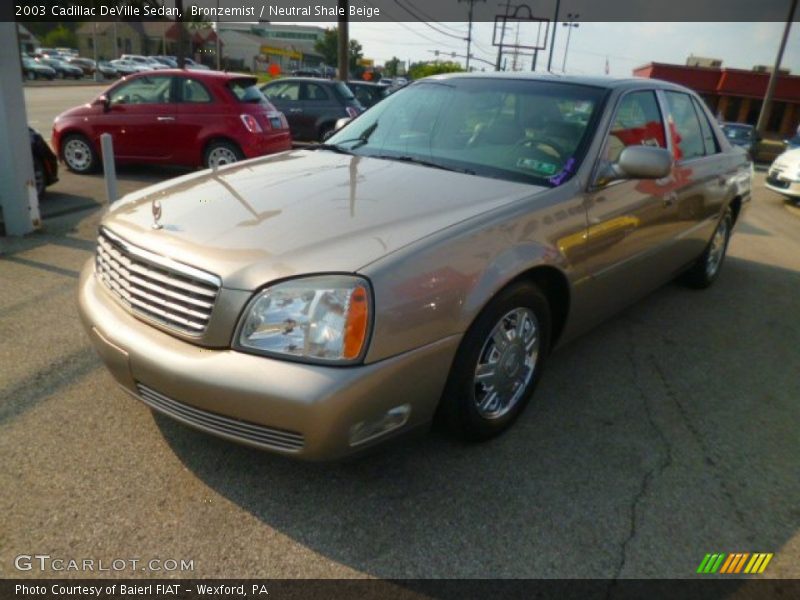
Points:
178	117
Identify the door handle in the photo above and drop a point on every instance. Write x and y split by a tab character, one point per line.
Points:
670	199
165	118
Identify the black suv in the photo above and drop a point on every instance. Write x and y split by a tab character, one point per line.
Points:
312	106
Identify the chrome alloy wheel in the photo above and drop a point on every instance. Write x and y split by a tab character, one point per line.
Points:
77	155
220	156
717	249
506	363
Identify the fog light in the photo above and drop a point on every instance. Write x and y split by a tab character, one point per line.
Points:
368	430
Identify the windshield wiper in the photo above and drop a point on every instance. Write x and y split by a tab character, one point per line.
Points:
423	162
361	140
331	147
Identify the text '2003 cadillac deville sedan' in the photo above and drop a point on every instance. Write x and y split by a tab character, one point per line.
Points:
417	268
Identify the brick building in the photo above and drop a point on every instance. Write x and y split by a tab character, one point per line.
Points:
737	94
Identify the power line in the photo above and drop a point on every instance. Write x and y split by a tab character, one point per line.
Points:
424	22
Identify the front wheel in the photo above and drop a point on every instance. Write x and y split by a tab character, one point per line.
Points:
497	365
705	271
78	154
39	177
221	153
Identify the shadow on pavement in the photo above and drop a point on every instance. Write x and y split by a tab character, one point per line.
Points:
666	433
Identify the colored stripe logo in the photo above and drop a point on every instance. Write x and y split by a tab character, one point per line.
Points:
735	563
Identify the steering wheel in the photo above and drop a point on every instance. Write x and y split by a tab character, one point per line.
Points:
539	144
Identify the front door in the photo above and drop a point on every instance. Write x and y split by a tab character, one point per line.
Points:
141	118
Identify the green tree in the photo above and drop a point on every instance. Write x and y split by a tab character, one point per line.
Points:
391	67
328	48
424	69
60	37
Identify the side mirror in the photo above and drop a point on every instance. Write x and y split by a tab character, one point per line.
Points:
102	100
645	162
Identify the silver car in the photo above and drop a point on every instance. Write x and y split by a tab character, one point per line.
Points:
418	267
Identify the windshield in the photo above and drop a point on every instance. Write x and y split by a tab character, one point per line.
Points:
732	132
530	131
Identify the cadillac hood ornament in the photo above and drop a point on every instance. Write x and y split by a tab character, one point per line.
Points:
156	208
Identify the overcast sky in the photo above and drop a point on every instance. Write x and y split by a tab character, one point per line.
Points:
627	45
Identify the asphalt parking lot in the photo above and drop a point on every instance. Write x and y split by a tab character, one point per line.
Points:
667	433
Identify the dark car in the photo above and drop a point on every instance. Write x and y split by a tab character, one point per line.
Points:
742	135
87	65
312	106
367	93
63	69
107	70
307	73
792	142
45	163
35	70
176	117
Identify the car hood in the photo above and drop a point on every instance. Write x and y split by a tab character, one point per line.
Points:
788	160
302	212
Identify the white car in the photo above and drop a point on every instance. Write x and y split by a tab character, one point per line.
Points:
128	67
784	174
150	64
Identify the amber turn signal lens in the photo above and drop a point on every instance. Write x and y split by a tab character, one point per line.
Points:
355	329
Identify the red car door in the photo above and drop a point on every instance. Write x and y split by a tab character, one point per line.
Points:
141	117
200	116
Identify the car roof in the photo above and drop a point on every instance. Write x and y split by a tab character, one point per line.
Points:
318	80
204	75
594	81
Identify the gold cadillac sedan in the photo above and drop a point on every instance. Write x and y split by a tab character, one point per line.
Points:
416	268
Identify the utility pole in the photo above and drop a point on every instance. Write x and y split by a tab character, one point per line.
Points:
343	39
553	38
571	24
216	35
181	54
469	30
502	37
763	116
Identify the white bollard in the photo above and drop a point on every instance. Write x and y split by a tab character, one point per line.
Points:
109	169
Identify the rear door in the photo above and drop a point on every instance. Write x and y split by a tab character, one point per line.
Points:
141	118
198	110
700	176
320	108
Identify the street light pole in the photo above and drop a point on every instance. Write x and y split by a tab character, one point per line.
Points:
553	38
761	124
343	39
571	24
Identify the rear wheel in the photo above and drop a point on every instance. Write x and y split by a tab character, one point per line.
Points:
497	365
78	154
706	270
221	153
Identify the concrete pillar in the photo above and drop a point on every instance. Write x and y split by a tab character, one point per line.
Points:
722	107
744	108
788	122
17	187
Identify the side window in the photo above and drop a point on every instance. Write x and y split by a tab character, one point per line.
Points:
144	90
283	91
687	136
638	122
315	93
194	91
709	139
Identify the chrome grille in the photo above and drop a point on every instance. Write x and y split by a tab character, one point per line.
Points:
260	435
175	295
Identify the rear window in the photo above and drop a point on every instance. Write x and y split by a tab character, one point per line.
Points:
246	90
343	90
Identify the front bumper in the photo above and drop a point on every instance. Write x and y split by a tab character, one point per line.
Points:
787	187
297	409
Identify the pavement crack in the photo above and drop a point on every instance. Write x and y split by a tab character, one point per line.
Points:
651	474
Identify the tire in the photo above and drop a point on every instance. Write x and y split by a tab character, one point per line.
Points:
39	177
325	131
468	409
78	154
221	153
706	269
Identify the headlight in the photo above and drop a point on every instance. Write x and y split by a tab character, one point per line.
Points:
323	319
